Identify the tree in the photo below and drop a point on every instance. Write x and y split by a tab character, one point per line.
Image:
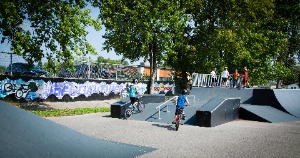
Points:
101	60
52	29
286	20
238	34
141	29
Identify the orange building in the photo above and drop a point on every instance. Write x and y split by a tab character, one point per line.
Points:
163	74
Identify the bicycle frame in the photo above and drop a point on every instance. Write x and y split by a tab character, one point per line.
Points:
139	107
177	121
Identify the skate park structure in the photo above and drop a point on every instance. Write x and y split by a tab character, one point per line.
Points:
214	106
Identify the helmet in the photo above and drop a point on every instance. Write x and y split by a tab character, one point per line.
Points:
135	81
184	91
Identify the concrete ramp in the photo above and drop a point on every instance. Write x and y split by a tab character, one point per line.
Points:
23	134
265	114
289	99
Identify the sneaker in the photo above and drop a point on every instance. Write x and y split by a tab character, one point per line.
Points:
130	106
183	117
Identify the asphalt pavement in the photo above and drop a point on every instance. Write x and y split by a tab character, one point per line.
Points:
241	138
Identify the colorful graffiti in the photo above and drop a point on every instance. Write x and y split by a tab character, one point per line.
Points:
39	89
33	89
160	88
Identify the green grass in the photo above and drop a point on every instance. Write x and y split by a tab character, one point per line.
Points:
69	112
61	112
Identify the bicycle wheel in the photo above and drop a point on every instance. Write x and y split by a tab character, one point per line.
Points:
177	123
141	107
128	113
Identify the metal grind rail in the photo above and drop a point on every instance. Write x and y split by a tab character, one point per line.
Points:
159	106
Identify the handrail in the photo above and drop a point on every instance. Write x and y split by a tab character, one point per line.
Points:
159	106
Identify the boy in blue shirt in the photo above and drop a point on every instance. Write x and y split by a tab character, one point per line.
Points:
181	100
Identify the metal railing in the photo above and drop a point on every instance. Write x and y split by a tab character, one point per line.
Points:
159	106
205	80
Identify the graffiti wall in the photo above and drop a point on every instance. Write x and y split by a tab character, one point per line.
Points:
41	89
161	88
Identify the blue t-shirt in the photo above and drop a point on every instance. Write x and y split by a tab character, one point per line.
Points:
181	101
132	91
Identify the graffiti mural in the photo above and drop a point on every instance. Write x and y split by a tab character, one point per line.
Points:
39	89
34	89
20	89
160	88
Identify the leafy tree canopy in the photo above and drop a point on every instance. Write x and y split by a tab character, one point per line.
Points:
52	29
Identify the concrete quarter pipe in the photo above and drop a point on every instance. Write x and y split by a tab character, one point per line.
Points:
289	99
24	134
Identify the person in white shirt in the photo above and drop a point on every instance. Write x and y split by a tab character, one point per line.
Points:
225	74
213	77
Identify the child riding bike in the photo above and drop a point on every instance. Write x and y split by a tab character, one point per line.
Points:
132	93
180	103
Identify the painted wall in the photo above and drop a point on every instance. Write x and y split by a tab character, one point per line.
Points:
42	88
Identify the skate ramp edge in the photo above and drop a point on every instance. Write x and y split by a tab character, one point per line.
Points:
265	114
24	134
218	111
289	99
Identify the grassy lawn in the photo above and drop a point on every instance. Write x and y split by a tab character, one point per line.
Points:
69	112
59	112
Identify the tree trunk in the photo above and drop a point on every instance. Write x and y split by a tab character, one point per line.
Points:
278	84
153	66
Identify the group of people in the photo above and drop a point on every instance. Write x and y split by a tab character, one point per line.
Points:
233	78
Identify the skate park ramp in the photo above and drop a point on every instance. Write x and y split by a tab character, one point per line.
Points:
265	105
201	96
265	114
24	134
289	99
286	100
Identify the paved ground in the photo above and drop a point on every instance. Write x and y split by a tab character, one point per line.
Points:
234	139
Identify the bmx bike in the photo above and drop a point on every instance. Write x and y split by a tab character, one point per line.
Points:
137	107
178	118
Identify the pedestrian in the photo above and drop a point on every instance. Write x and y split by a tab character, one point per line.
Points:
190	81
245	78
235	76
213	77
225	75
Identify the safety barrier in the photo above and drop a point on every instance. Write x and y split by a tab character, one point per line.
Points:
205	80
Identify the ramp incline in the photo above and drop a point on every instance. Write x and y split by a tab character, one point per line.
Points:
24	134
265	114
289	99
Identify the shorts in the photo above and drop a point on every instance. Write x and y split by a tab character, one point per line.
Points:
224	79
133	100
178	111
214	79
